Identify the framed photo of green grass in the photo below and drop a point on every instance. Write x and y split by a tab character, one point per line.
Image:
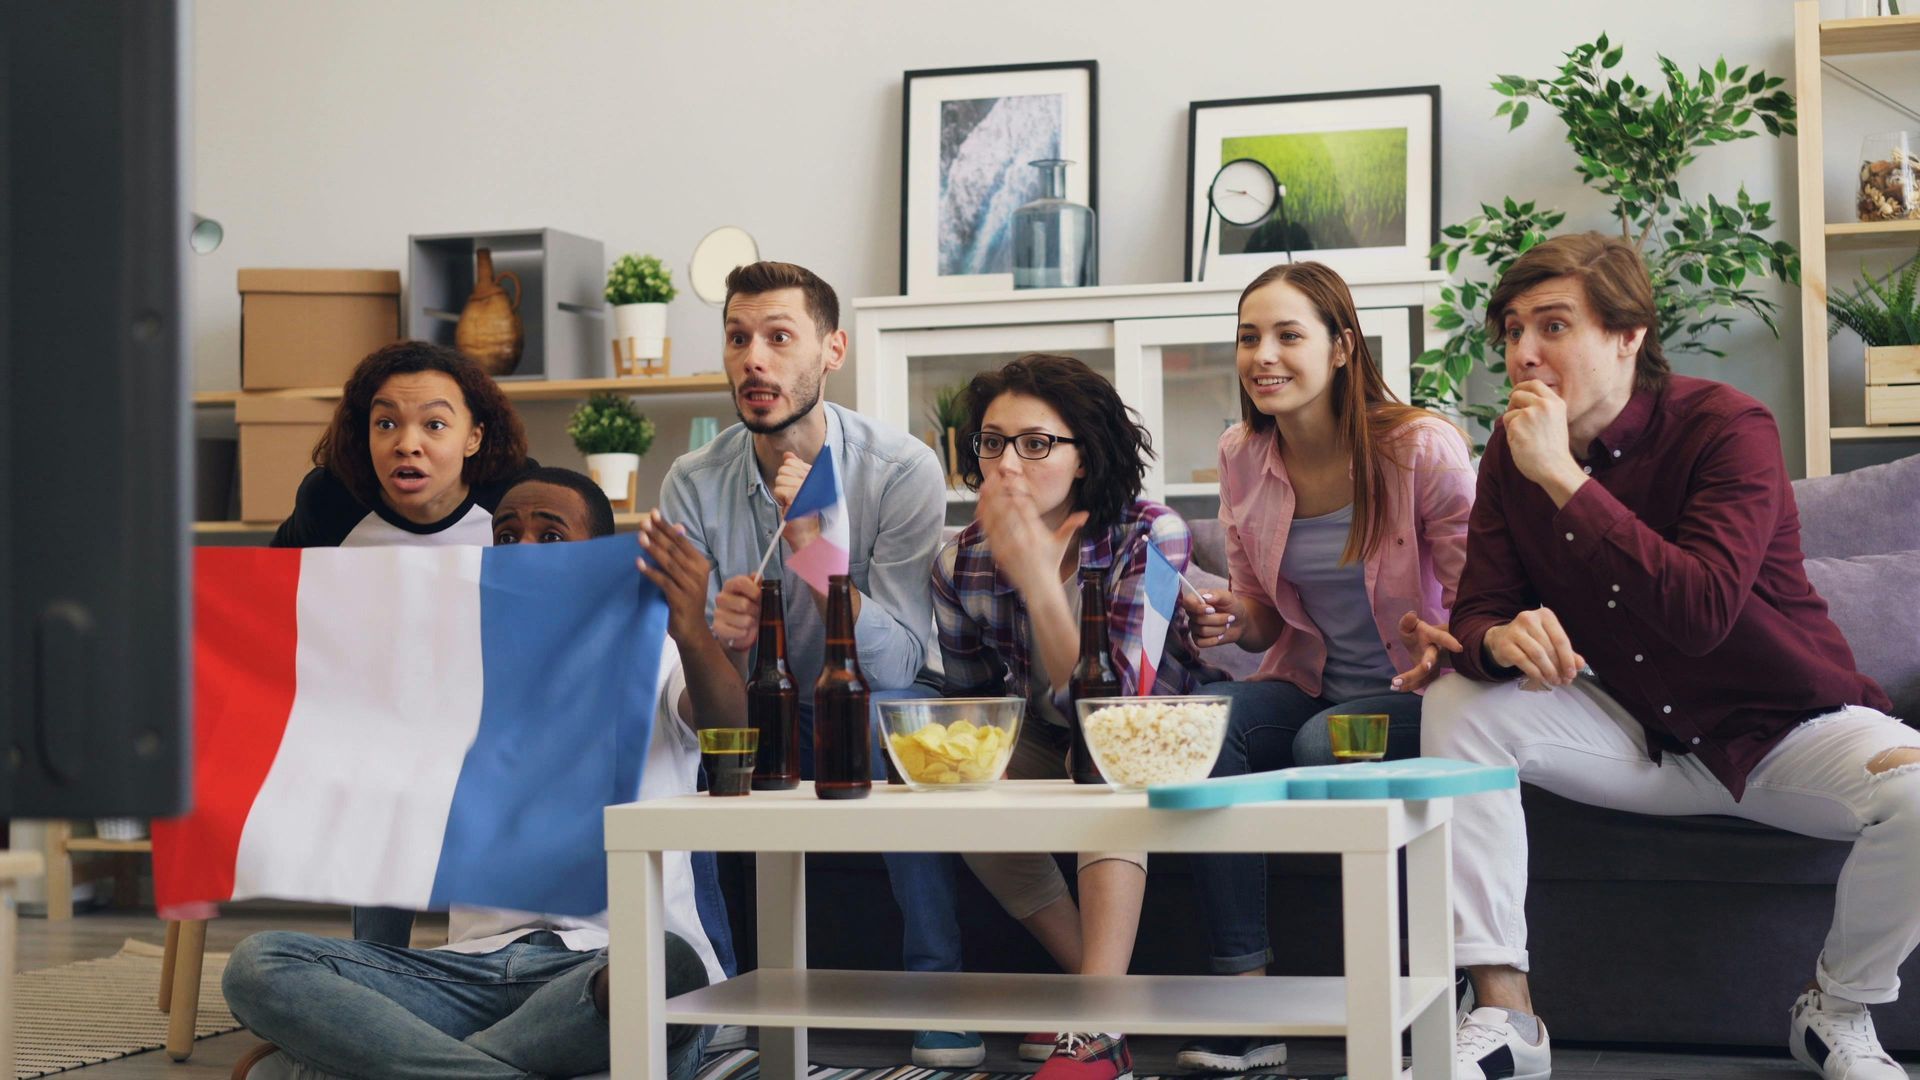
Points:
1359	172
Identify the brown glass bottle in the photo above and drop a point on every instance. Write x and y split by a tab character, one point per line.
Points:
842	753
1093	676
773	699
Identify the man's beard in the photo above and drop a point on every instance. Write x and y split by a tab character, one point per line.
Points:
800	413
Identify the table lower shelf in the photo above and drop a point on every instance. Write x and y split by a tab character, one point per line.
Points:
1136	1004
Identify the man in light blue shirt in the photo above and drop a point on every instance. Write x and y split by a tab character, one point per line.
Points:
783	337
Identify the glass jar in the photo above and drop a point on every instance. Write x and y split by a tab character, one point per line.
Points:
1889	177
1053	237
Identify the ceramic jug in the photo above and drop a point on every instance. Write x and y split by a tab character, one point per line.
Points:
489	331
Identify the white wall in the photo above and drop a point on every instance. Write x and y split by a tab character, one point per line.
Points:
328	132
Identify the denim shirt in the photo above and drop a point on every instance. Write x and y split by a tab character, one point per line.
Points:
896	505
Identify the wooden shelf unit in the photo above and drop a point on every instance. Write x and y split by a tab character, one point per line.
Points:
1812	40
516	390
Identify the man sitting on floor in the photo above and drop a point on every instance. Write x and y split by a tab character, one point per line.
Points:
1634	556
511	993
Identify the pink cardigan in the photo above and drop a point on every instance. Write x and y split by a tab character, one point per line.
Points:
1416	566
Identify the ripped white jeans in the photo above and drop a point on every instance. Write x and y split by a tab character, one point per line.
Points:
1577	742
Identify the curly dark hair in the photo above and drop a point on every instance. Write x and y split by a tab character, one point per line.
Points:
599	510
343	450
1113	444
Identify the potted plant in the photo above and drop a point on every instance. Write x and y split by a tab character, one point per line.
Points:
948	415
612	434
639	287
1885	312
1632	138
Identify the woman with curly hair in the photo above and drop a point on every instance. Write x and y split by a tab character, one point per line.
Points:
1057	459
419	451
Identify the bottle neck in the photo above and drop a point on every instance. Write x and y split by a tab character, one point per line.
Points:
1093	617
841	649
771	654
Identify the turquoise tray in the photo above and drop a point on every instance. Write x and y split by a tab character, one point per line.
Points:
1414	778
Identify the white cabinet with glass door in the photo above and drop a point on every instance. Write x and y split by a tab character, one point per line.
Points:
1169	350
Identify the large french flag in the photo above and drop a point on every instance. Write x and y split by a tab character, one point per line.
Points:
1163	593
820	493
414	727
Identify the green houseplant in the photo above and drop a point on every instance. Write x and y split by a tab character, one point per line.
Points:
613	435
1631	139
639	287
948	415
1885	312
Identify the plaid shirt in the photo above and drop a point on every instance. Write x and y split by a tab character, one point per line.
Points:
985	639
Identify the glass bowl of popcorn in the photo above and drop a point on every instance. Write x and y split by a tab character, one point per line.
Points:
951	744
1141	741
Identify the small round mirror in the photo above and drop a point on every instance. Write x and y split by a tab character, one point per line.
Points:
716	256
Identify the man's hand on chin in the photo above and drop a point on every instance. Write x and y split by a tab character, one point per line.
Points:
1536	425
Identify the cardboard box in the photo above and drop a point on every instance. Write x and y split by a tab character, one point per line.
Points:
276	451
306	328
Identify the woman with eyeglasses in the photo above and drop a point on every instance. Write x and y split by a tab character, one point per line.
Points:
1057	460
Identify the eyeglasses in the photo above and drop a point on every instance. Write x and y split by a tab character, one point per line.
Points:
1032	445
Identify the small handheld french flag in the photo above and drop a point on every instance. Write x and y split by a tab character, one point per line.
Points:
820	494
413	726
1163	592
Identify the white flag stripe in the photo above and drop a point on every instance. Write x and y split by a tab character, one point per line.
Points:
388	691
1153	635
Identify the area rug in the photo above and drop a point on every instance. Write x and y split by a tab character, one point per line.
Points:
745	1065
96	1010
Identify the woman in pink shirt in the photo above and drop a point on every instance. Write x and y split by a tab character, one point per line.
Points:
1346	527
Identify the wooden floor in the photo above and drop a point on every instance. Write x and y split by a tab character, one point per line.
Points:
45	944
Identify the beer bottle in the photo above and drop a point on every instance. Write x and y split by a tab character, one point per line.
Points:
1093	676
842	754
773	701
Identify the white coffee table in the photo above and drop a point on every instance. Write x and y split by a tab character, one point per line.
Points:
1371	1006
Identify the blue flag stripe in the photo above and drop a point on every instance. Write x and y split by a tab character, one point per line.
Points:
571	638
820	490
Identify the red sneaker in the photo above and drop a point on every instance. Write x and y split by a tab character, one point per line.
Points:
1088	1057
1037	1045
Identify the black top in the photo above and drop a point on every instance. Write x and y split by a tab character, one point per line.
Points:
326	514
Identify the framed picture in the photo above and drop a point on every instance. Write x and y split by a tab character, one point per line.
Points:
969	137
1359	171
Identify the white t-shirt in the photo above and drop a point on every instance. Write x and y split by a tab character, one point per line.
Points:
672	768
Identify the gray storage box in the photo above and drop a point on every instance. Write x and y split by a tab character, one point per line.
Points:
563	310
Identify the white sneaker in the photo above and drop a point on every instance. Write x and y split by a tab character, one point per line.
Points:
1487	1047
1834	1037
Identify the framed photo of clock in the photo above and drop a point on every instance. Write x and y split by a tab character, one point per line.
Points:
969	139
1355	182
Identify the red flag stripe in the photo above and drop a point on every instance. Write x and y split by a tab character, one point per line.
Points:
245	629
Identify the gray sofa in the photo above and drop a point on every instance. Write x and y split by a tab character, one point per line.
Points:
1671	930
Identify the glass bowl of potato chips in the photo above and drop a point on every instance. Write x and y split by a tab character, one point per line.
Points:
951	744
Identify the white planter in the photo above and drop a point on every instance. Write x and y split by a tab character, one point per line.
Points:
614	472
643	328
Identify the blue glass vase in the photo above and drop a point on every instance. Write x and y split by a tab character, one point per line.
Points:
1053	237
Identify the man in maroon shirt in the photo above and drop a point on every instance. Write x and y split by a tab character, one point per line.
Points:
1638	633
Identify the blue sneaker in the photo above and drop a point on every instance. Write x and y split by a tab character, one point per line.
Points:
948	1049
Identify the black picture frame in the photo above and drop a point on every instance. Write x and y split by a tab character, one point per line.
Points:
987	75
1195	205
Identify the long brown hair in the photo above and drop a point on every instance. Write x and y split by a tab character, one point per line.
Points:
1364	408
343	448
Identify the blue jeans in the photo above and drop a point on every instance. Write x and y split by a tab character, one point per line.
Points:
1274	725
925	885
357	1009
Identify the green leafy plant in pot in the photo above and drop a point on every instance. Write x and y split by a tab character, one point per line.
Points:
613	435
639	287
948	416
1631	140
1885	312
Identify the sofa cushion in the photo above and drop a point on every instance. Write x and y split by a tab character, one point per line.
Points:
1875	601
1858	512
